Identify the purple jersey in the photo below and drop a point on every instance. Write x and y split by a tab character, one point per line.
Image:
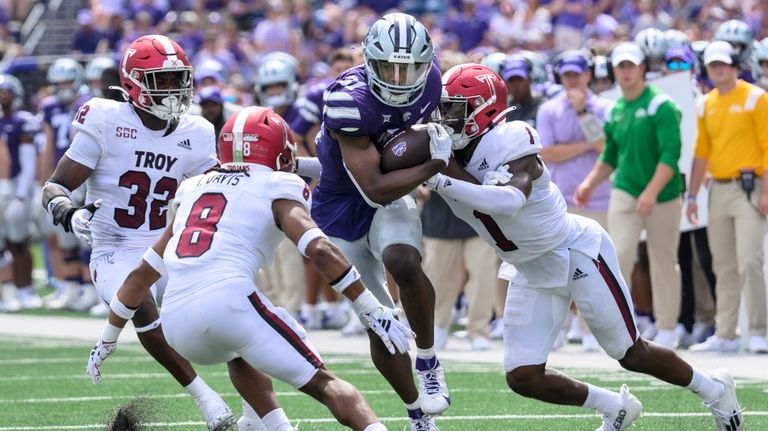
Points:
350	109
58	116
15	126
310	106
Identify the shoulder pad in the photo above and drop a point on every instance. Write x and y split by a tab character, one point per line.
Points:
284	185
93	116
347	103
512	140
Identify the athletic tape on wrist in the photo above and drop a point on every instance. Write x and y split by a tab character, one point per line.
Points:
155	261
307	237
121	309
350	276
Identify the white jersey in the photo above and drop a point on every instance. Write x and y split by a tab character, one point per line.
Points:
224	229
136	171
537	238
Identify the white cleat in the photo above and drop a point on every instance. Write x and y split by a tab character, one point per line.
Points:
223	421
29	299
99	310
10	298
717	344
424	423
250	424
433	391
726	410
621	419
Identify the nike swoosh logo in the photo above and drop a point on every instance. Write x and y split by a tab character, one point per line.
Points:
421	111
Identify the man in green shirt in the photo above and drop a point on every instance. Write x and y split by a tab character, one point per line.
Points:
642	148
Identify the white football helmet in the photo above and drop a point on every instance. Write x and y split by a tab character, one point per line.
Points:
653	42
398	55
676	39
272	72
94	69
12	84
739	35
495	61
66	70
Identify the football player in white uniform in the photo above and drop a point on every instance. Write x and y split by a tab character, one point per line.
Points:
226	226
132	157
504	192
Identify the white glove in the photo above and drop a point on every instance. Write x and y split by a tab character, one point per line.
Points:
383	322
440	143
81	221
500	176
436	182
99	354
16	210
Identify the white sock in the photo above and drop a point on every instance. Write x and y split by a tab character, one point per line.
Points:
378	426
425	353
705	387
276	420
248	411
198	389
602	400
412	406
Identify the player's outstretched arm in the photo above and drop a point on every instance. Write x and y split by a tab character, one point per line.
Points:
126	301
362	160
503	191
334	267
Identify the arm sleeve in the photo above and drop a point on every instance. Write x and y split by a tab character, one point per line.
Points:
667	125
544	126
84	150
500	200
28	162
703	146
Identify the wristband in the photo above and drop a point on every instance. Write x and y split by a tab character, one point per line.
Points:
307	237
346	279
690	198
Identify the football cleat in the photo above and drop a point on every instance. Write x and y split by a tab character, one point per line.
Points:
218	416
726	410
224	421
432	387
621	419
250	424
421	421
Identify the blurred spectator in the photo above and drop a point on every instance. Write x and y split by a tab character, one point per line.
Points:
275	32
732	134
517	73
467	25
86	37
451	250
642	146
151	7
569	18
190	36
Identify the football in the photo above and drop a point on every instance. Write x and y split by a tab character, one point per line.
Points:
408	148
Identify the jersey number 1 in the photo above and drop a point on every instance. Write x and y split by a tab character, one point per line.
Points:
202	224
502	242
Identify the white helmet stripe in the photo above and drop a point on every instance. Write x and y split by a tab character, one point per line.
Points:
402	26
237	133
168	47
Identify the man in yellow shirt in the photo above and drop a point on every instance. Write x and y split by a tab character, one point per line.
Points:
733	143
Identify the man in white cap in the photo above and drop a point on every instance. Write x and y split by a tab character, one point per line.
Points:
731	143
642	145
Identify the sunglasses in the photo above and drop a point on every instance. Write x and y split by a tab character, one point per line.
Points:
679	65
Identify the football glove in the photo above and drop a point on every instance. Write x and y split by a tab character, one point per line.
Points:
383	322
99	354
440	144
436	182
81	221
500	176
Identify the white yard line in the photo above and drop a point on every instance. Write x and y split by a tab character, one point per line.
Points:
387	419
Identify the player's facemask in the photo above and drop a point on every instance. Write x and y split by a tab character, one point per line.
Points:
453	114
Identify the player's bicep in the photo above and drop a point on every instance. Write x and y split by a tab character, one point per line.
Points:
292	218
524	170
360	158
70	173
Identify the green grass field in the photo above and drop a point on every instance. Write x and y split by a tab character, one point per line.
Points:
43	386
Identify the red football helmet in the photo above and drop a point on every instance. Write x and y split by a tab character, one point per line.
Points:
474	100
256	135
141	76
